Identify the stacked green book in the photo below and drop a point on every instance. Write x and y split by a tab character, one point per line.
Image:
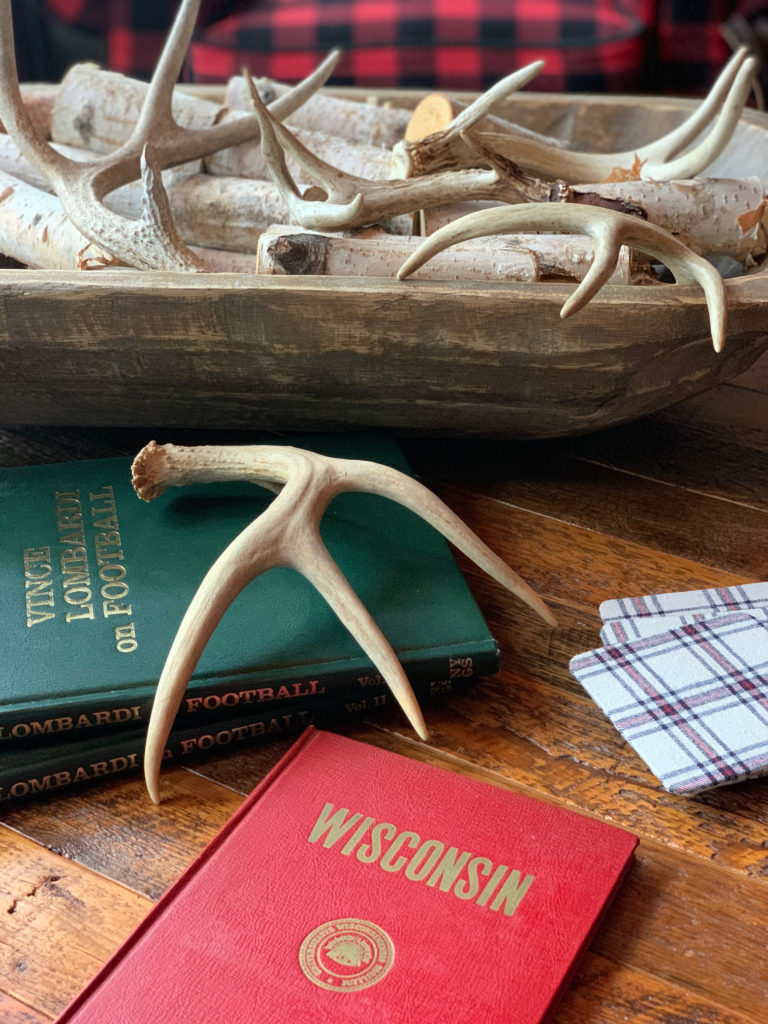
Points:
94	583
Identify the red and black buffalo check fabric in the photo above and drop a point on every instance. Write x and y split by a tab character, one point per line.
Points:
653	46
691	698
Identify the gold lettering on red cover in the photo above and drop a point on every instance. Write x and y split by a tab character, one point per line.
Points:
467	890
412	839
449	868
369	853
425	858
494	886
333	828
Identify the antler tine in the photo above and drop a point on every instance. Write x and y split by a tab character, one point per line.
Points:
610	234
156	109
669	145
314	562
485	103
13	113
296	97
248	556
689	164
176	144
390	483
181	144
311	214
655	157
609	230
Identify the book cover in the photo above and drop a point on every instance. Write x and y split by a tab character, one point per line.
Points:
94	583
355	884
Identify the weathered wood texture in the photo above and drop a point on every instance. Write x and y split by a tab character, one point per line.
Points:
444	358
674	501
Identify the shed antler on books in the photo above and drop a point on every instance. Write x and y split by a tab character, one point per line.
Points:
287	534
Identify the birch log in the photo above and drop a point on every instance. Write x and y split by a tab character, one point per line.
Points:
38	98
35	231
98	110
212	212
713	216
246	160
290	250
371	123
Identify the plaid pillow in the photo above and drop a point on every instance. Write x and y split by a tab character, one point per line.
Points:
434	43
589	45
133	31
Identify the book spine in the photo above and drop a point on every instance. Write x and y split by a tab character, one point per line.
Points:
239	695
121	752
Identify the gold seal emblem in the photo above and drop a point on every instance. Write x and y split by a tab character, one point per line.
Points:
346	955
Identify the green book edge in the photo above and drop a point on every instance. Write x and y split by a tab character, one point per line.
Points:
43	769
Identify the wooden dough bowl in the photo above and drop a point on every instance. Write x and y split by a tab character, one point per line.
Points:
115	348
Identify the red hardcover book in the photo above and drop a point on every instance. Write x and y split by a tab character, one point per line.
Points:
358	885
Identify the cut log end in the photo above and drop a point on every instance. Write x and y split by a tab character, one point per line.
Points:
434	113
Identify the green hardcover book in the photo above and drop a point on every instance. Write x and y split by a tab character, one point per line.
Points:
45	768
94	583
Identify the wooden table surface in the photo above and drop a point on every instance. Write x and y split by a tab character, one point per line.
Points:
673	502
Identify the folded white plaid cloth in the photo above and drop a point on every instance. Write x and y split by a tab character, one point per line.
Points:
631	611
691	700
622	631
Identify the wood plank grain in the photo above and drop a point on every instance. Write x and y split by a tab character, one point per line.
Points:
307	353
694	926
14	1012
60	923
602	992
116	830
755	378
620	505
716	447
578	565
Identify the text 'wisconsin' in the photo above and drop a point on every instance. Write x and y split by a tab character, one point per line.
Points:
468	877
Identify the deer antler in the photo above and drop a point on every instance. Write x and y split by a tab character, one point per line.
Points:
608	229
150	242
658	160
339	200
287	533
537	153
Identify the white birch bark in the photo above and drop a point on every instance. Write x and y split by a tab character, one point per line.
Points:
98	110
712	216
291	250
35	231
371	123
246	160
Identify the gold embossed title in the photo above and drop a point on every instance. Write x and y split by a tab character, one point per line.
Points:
432	861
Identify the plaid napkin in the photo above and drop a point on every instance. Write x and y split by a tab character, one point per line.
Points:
631	613
622	631
689	694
